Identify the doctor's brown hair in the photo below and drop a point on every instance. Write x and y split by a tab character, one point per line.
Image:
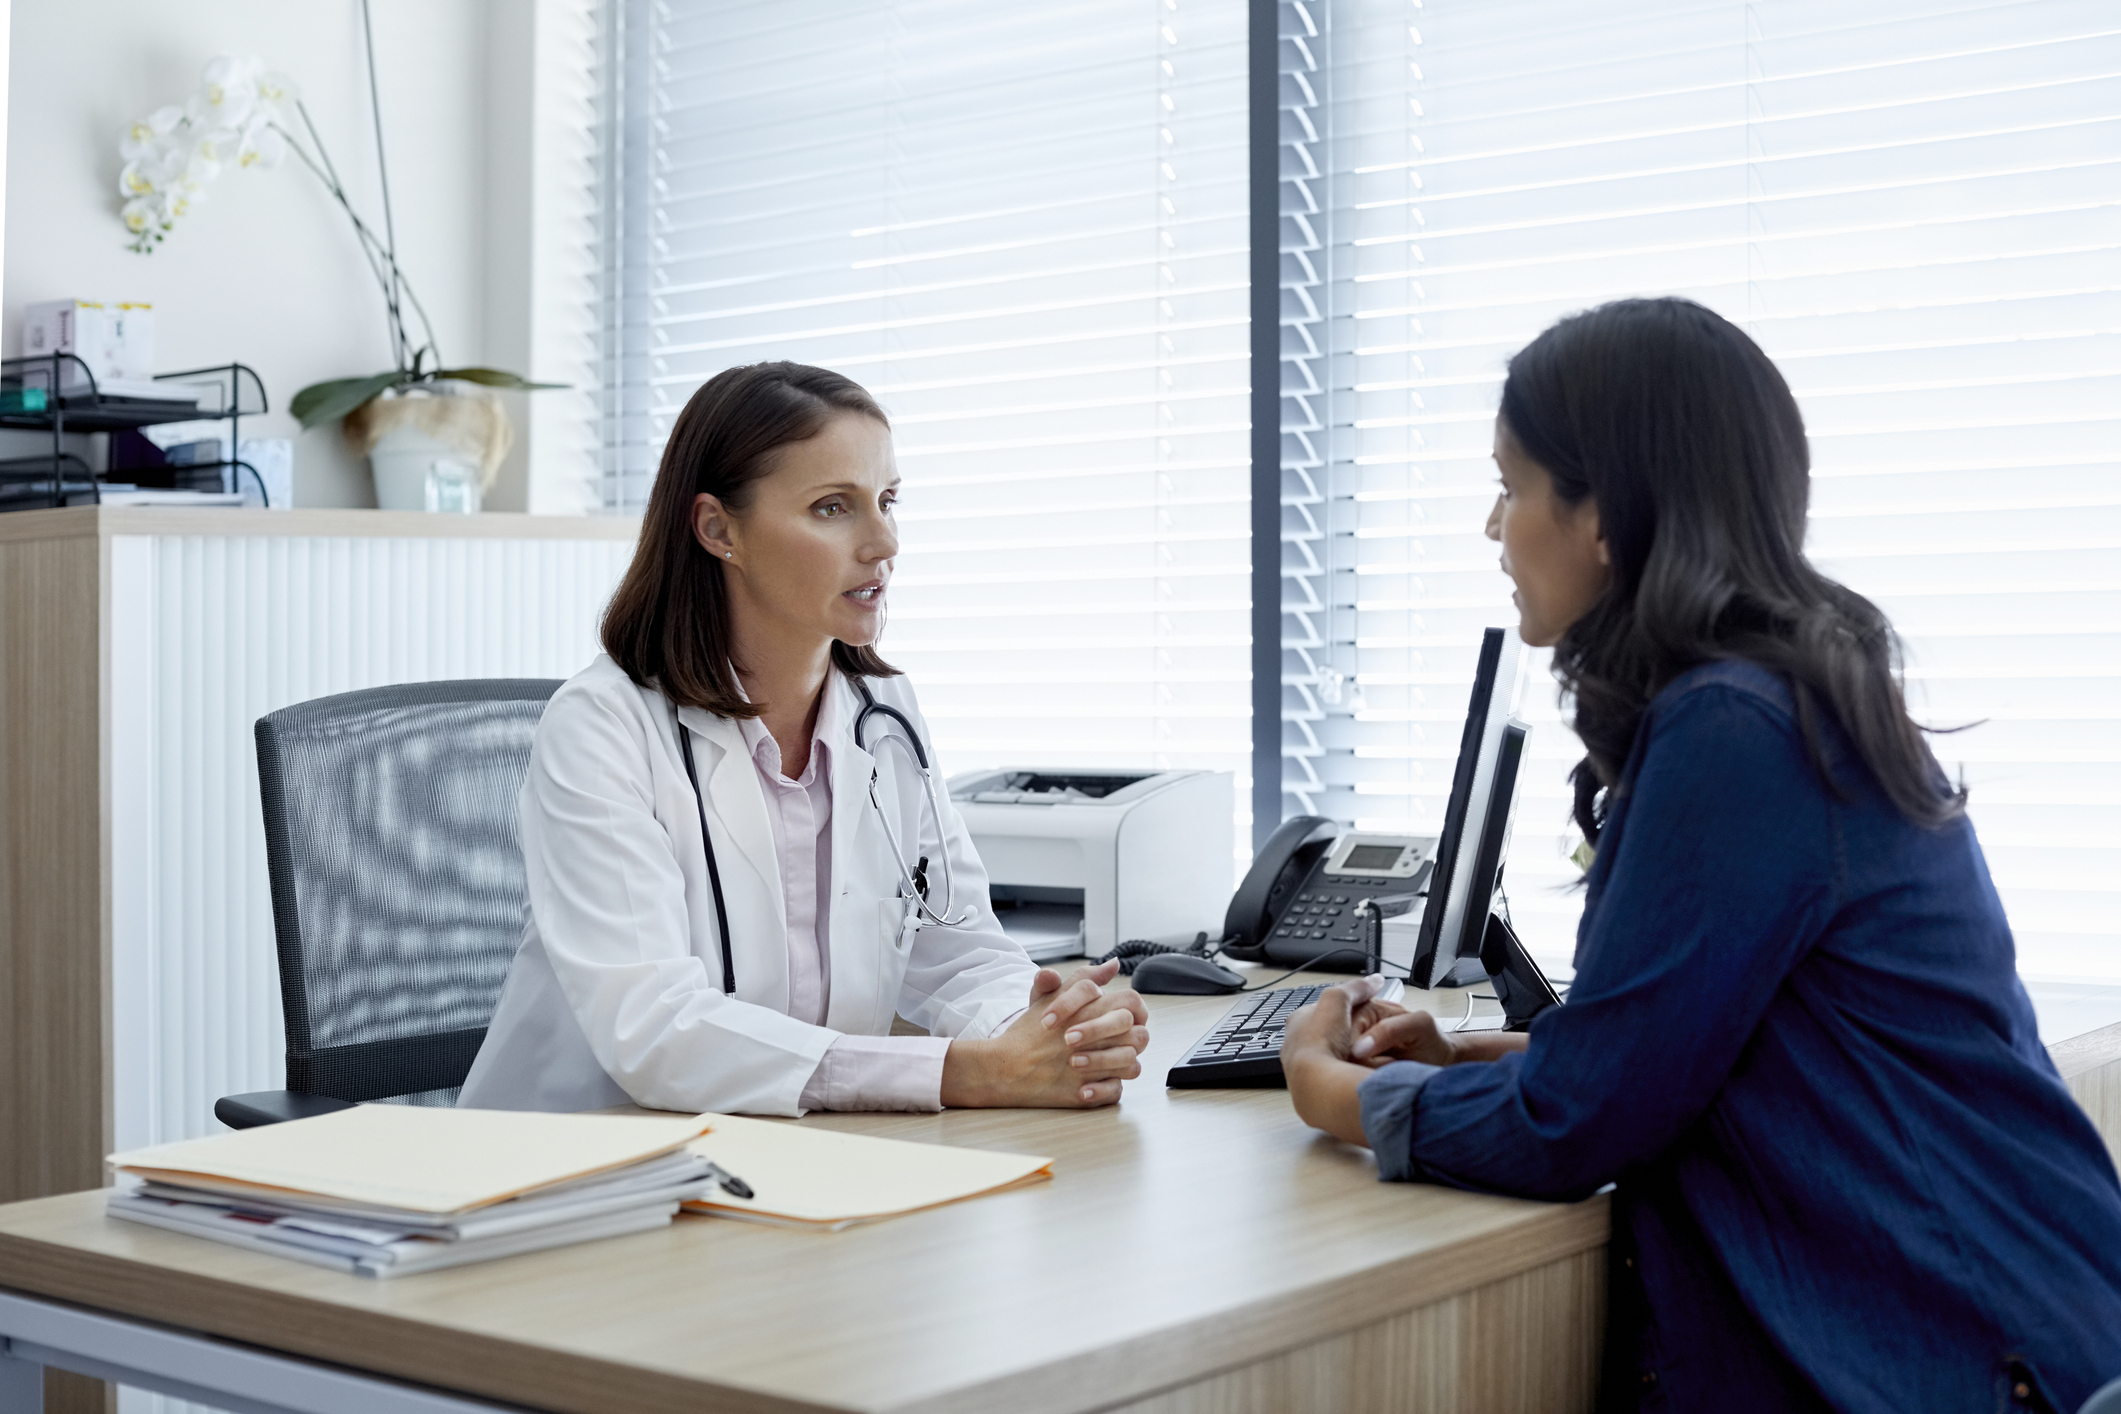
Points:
668	623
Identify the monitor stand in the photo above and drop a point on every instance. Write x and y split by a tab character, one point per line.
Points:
1520	986
1463	972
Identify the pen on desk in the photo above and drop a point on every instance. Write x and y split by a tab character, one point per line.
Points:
734	1186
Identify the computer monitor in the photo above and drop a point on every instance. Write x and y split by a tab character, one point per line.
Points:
1476	822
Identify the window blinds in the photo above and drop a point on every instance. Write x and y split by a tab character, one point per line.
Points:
1022	227
1914	206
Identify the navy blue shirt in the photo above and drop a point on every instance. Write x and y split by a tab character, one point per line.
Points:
1847	1175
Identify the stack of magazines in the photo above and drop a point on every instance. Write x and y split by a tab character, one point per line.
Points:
385	1190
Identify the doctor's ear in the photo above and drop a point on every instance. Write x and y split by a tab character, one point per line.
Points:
713	526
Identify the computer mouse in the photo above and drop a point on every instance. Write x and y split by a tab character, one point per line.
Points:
1182	974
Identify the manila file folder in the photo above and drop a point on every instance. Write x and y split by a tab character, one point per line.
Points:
415	1158
811	1177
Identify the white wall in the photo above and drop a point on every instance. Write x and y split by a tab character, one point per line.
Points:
266	270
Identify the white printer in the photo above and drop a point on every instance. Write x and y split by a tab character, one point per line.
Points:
1081	859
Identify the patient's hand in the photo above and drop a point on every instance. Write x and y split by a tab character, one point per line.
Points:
1317	1060
1386	1032
1330	1047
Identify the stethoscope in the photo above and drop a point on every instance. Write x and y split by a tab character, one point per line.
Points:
913	878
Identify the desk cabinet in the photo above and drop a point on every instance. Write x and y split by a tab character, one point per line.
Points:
137	649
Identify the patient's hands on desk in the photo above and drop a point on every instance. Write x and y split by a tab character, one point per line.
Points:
1071	1049
1387	1032
1332	1045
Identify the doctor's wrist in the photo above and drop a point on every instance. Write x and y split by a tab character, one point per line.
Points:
969	1074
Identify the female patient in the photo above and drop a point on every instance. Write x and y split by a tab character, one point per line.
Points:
1846	1175
726	868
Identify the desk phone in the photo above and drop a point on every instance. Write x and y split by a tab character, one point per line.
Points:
1296	906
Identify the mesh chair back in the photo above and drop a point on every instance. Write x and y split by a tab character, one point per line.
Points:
397	879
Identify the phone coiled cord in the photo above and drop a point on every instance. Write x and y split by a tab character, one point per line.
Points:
1130	953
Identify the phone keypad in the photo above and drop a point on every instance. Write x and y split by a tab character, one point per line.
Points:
1318	914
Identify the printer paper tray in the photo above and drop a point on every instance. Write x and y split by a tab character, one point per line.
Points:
1044	930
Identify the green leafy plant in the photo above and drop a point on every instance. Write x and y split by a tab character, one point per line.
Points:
321	403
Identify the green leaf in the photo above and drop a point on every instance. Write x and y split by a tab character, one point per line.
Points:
320	403
493	378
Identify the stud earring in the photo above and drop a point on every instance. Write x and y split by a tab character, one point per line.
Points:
729	554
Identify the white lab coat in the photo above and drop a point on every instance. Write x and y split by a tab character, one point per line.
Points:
615	994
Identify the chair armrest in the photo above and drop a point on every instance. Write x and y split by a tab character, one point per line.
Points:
273	1106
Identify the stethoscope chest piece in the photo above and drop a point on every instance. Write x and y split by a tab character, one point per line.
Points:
913	876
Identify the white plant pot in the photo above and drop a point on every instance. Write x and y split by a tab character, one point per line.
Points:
416	472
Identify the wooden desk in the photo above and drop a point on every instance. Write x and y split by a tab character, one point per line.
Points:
2091	1066
1196	1250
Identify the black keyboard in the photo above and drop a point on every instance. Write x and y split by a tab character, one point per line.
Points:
1244	1048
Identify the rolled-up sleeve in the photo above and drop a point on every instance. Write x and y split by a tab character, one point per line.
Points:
1388	1098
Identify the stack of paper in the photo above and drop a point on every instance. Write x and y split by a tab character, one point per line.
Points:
387	1189
134	390
818	1178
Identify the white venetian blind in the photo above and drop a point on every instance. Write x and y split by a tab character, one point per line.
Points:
1914	206
1022	227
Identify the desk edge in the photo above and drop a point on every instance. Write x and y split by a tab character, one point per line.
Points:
1140	1365
2079	1055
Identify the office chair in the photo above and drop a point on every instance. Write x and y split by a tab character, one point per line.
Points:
397	886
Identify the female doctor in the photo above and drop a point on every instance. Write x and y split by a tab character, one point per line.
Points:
756	967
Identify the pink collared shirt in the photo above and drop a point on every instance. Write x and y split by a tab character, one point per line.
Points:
857	1072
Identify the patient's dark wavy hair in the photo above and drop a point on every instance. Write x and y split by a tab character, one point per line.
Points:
1691	445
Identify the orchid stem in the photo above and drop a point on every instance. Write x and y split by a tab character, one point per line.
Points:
382	261
390	229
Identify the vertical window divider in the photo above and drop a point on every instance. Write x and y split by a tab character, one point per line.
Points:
1264	128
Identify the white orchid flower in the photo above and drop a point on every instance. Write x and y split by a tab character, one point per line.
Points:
202	110
279	93
262	146
228	91
171	155
215	145
146	136
158	172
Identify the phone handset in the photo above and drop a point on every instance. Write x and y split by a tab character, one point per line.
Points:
1283	863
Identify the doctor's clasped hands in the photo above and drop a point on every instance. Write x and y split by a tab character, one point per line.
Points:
1071	1048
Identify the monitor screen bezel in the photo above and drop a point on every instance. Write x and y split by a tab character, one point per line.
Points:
1494	846
1496	679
